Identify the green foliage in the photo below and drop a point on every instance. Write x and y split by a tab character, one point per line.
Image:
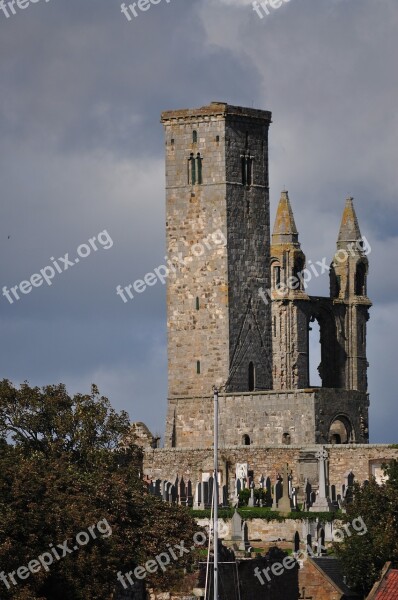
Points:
363	556
259	494
65	472
266	514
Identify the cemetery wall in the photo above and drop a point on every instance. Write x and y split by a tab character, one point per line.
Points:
191	464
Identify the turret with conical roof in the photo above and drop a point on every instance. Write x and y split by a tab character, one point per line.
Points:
348	289
349	269
290	339
287	258
285	230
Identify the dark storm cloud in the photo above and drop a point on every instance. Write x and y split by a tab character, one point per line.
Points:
82	151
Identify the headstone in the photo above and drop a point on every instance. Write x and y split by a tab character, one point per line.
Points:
189	493
322	502
294	498
205	490
308	492
277	492
251	499
164	491
296	542
284	504
321	542
196	504
224	495
182	492
158	488
236	527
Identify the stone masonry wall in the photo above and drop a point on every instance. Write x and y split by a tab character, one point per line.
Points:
217	323
304	415
197	294
268	461
248	226
263	416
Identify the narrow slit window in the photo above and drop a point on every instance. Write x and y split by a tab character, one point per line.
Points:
277	276
252	377
194	137
247	169
197	303
198	367
199	168
243	161
191	169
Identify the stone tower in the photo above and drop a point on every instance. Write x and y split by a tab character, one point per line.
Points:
289	320
218	240
222	328
348	288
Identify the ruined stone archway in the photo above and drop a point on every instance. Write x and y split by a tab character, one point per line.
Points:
341	430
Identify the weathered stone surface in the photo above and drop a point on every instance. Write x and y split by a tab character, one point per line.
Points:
217	324
268	461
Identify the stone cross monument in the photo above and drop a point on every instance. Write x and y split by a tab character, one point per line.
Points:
322	502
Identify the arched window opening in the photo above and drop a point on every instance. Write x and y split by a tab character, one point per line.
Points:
252	377
298	268
360	280
286	439
315	353
277	276
340	431
246	440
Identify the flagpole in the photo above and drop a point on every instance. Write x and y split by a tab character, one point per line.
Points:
215	496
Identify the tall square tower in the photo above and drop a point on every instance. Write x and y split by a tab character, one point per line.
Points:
218	247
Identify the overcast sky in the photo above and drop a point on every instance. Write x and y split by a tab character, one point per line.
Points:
82	89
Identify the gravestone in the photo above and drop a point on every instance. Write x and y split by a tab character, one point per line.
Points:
284	504
322	502
251	499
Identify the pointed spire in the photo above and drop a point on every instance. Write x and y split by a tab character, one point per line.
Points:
349	228
285	230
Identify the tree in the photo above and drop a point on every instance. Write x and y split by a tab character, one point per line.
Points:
65	478
363	555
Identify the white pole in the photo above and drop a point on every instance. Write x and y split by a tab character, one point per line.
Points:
215	496
208	548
